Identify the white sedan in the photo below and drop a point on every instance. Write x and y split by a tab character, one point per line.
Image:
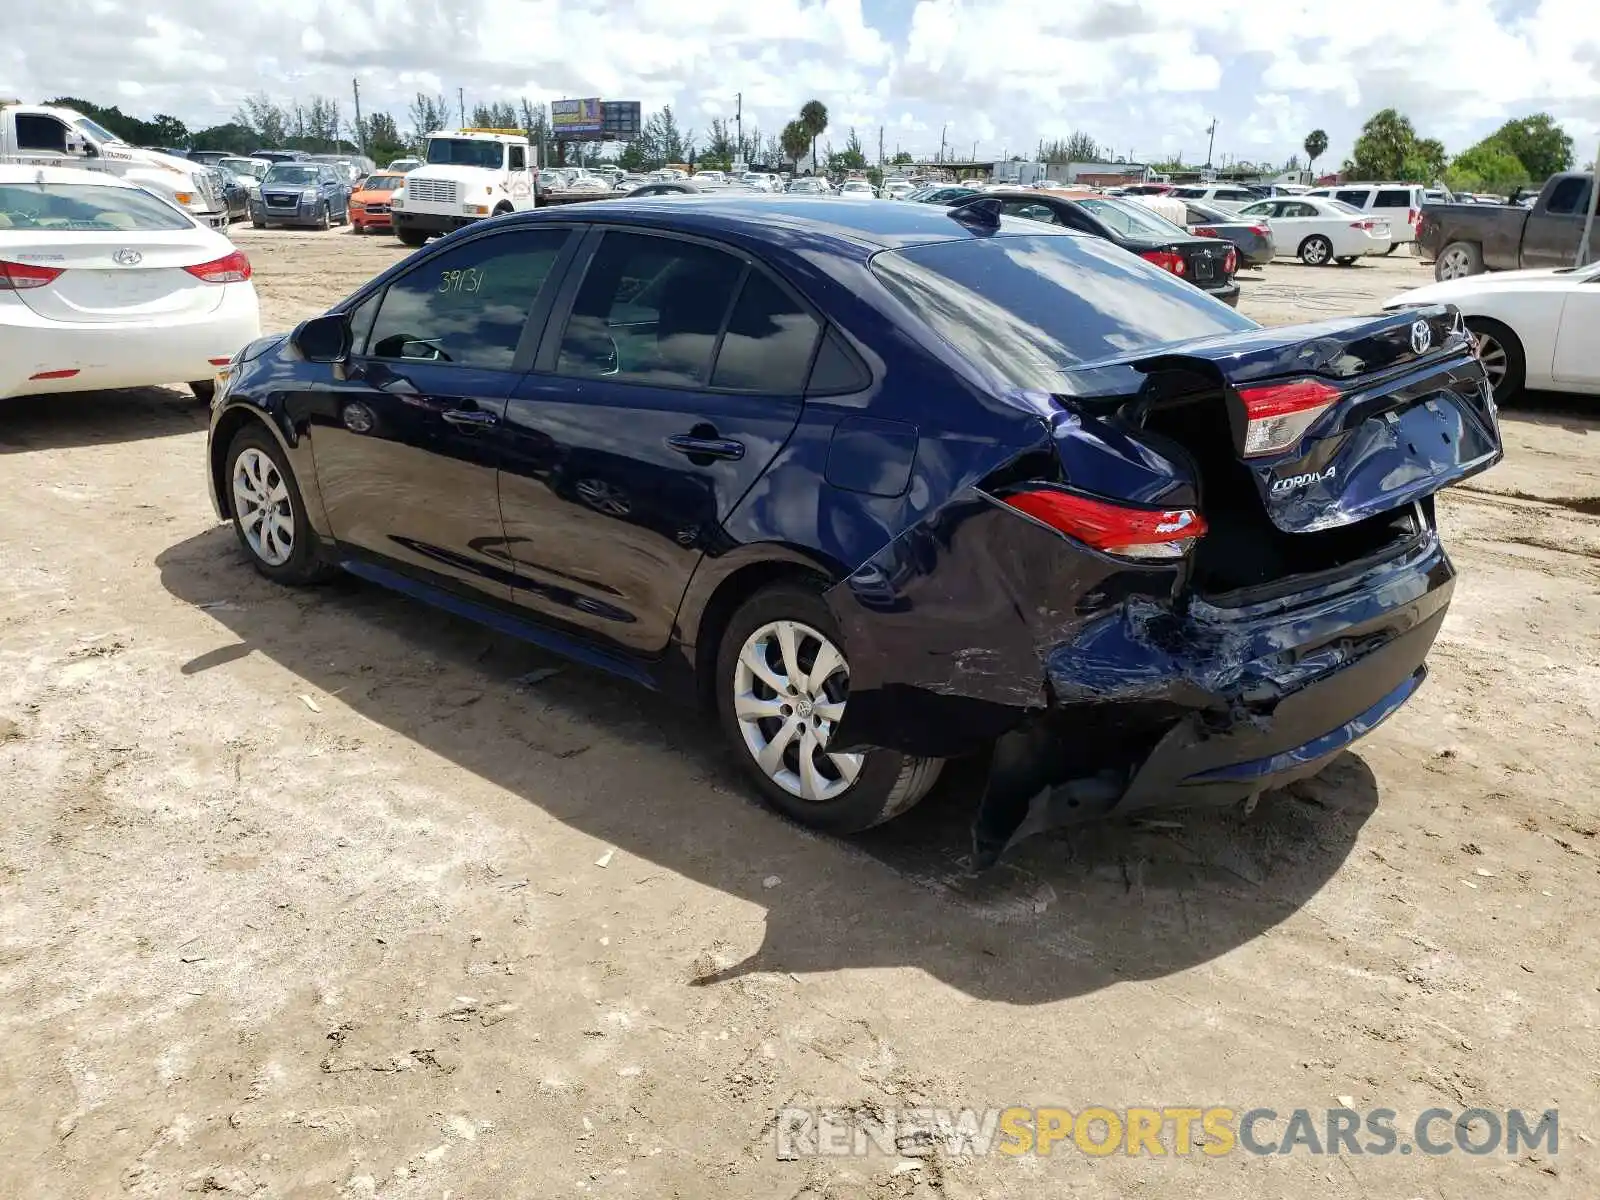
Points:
857	189
1536	329
1319	231
104	285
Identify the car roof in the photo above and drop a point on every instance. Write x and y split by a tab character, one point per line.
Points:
27	174
798	223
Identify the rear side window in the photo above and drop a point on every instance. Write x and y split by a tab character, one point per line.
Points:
1355	198
769	341
1569	196
1393	198
1029	308
650	311
469	305
85	207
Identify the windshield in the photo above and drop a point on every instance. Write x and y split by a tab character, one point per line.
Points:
290	173
86	207
98	132
382	183
466	152
243	166
1031	307
1130	220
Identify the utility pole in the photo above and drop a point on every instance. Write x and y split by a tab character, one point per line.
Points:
461	103
974	157
738	120
942	129
1213	142
361	132
880	147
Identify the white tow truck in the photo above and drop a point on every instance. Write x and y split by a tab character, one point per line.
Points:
41	135
465	176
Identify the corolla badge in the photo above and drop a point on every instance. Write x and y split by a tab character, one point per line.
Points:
1292	482
127	257
1421	337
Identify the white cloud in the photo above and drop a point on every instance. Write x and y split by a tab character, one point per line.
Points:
1143	75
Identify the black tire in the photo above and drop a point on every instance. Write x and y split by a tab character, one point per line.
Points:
305	564
1346	260
411	237
255	224
889	782
1458	260
1393	246
1497	343
204	390
326	220
1316	251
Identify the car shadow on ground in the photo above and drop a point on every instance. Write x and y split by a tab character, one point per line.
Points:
1065	914
75	419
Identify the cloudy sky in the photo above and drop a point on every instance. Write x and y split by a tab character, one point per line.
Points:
1143	76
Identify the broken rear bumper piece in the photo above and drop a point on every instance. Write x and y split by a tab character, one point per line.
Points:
1143	704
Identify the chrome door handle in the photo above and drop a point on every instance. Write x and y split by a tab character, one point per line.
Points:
469	418
706	447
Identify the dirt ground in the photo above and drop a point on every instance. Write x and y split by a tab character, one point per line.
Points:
305	895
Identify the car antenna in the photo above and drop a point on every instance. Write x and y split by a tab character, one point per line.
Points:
978	214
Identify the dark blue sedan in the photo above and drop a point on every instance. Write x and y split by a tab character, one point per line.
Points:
883	484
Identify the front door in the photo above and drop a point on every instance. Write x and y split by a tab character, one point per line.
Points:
654	407
1577	358
407	445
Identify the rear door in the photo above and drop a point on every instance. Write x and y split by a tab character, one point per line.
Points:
1386	411
669	377
1551	236
407	444
1577	357
1398	206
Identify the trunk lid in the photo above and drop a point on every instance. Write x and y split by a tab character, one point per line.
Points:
1344	420
1203	258
119	277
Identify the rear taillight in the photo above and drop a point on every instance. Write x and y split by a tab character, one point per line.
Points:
19	277
1367	225
1230	261
1278	414
1412	217
1202	231
232	268
1141	533
1261	229
1166	260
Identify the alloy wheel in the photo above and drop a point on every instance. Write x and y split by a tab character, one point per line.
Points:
265	512
1454	265
789	693
1493	357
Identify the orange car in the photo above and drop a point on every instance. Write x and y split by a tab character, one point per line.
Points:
369	203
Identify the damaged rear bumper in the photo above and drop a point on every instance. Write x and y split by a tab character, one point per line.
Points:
1218	705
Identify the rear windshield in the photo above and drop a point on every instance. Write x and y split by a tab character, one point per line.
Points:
1131	219
86	207
1031	307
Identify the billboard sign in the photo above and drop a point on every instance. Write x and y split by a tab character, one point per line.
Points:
576	118
620	120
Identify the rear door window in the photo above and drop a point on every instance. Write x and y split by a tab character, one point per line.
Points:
1355	198
468	305
1569	196
1393	198
769	341
1030	307
650	310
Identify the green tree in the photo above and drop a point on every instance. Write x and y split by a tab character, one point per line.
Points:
1538	143
1079	147
902	158
382	139
796	140
814	116
851	158
232	137
428	114
265	119
720	148
1486	167
1424	162
1315	146
1386	140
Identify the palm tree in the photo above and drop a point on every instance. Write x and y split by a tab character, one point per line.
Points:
1316	146
814	116
796	140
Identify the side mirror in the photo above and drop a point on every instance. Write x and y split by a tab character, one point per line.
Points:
324	339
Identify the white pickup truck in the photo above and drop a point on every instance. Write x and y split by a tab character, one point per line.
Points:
59	137
465	175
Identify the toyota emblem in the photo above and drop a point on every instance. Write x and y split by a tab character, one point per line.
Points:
127	258
1421	336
